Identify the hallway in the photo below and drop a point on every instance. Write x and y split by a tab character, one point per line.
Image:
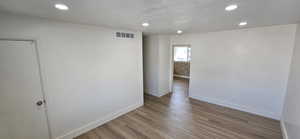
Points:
180	92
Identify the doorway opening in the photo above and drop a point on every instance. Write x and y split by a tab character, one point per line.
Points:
181	61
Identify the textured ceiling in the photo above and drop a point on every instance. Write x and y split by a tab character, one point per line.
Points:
164	16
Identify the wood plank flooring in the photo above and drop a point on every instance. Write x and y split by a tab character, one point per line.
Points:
175	116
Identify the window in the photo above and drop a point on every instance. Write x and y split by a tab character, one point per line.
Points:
182	54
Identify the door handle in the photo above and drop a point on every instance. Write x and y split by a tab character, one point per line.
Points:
40	103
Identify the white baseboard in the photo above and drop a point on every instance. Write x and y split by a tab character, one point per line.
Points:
101	121
157	94
283	130
153	94
238	107
181	76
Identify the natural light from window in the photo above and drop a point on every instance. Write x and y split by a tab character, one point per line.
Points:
182	54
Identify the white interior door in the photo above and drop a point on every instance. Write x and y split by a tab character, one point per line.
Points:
22	109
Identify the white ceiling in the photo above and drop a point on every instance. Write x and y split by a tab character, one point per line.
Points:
164	16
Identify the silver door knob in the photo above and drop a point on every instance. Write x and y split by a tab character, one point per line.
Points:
40	103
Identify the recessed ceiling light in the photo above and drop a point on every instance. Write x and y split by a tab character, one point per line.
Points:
244	23
145	24
231	7
61	7
179	31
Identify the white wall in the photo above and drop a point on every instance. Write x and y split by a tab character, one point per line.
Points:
150	63
89	75
156	49
244	69
291	113
164	63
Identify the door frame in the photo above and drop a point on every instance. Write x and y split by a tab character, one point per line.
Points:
37	54
172	65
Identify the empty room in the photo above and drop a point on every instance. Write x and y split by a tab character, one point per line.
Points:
149	69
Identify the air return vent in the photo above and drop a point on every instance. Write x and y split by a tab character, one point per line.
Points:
124	35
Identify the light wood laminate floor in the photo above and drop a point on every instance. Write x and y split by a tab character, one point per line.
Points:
175	116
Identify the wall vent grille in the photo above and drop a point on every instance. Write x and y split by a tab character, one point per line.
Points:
124	35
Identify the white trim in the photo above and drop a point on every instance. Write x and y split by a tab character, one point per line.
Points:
155	93
181	76
181	45
267	114
160	95
283	130
76	132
